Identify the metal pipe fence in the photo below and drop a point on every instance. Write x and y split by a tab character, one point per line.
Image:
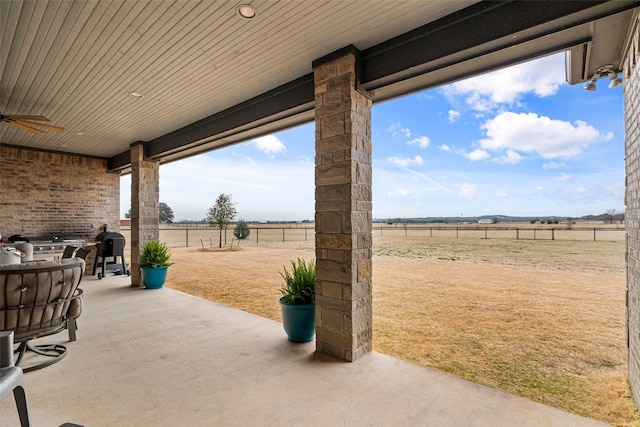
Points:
210	237
505	232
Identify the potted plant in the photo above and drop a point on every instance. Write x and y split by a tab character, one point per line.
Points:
154	262
297	303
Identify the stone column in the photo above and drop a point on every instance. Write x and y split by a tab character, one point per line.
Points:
145	194
343	208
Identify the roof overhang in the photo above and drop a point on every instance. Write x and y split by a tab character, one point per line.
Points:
449	41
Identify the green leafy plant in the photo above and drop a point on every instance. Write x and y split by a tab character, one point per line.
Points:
299	283
221	213
242	230
155	254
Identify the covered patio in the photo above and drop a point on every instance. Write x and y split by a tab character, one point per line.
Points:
141	83
164	358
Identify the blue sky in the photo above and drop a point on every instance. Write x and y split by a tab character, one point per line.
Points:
518	141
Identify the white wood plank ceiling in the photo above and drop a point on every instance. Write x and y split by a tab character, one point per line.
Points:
76	62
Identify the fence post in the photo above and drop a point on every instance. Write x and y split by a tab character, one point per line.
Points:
485	233
594	234
187	232
534	234
305	234
517	233
257	230
283	234
553	234
431	232
456	232
405	230
225	236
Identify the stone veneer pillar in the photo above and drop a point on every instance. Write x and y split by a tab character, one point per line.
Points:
145	195
343	208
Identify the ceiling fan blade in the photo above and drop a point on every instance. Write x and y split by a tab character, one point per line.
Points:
25	127
36	118
42	125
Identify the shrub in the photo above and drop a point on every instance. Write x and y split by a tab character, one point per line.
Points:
242	230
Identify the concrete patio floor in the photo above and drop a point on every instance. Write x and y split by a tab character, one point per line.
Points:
164	358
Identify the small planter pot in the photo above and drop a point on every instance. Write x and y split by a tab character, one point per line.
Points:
299	321
154	278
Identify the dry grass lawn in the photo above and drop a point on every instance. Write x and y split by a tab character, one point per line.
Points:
541	319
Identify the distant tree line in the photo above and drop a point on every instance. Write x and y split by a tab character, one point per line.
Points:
165	215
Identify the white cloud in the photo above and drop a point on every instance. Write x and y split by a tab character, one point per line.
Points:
421	176
400	192
421	141
553	165
405	161
396	129
444	147
269	144
468	191
543	77
511	157
453	115
477	154
581	192
563	177
501	194
530	133
189	187
616	189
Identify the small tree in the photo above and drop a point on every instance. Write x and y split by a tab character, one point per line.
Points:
242	230
570	223
221	213
166	213
608	215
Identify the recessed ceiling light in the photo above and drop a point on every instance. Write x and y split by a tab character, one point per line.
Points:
135	94
246	11
80	133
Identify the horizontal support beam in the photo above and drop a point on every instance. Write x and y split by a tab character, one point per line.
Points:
394	68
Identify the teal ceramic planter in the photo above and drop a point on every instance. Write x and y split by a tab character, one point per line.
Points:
299	321
154	278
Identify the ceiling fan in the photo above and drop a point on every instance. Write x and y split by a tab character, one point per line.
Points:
28	123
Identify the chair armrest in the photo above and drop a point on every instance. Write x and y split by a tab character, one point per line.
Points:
75	305
6	349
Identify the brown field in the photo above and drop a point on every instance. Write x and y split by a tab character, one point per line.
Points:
539	318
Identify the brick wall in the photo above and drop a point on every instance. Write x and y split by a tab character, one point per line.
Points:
44	193
632	200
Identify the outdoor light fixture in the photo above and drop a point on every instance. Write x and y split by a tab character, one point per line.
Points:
616	80
246	11
592	83
608	70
